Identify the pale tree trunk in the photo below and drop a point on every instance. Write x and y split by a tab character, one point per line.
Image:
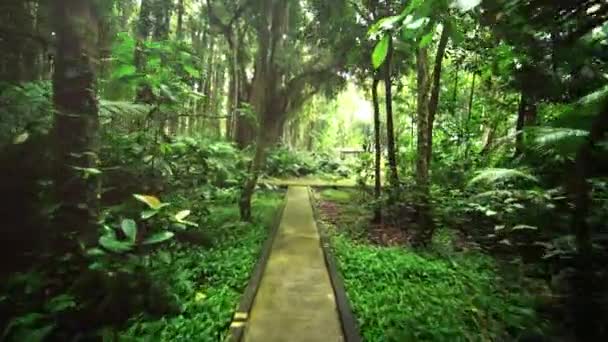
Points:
377	151
76	120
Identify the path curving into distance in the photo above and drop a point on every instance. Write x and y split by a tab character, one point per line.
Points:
295	300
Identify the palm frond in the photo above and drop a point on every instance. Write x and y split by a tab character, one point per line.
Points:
494	175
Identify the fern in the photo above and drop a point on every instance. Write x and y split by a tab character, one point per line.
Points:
123	108
500	175
546	136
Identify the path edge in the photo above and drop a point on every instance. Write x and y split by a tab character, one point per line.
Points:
349	325
241	315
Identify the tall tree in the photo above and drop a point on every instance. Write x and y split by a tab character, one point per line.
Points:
390	130
377	150
76	119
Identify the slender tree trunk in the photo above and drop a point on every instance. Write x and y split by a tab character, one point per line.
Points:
436	87
144	26
76	120
378	152
390	131
180	20
526	116
425	222
455	91
465	136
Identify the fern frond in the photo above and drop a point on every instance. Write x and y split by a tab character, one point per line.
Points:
545	136
123	108
500	175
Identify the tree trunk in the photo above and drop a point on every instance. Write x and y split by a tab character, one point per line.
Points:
465	136
267	98
76	120
144	26
378	152
526	116
180	20
425	222
390	130
587	291
436	87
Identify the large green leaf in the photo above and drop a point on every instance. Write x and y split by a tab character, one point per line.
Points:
110	243
129	227
158	238
380	51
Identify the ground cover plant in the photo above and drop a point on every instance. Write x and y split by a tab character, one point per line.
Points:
399	293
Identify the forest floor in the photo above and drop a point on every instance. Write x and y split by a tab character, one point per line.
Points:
444	293
295	300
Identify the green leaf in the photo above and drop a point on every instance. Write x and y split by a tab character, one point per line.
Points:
182	215
418	23
152	201
95	252
389	23
192	71
146	214
110	243
466	5
158	238
129	227
426	39
524	227
123	71
380	51
21	138
60	303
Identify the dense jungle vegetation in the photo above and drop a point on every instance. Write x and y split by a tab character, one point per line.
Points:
459	148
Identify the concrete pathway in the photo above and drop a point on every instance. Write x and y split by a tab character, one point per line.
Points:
295	300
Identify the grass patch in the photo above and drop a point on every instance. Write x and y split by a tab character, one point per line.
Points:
208	282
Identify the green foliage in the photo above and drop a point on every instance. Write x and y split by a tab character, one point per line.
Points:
25	110
169	69
400	295
283	162
500	175
208	282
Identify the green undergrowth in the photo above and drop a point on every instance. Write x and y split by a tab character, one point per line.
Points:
439	294
208	282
